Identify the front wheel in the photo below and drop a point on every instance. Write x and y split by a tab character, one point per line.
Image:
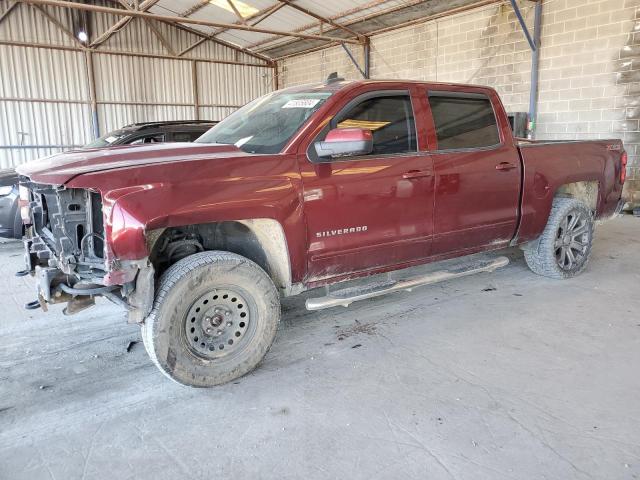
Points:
214	318
563	249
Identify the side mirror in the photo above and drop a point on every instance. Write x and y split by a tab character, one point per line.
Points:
342	142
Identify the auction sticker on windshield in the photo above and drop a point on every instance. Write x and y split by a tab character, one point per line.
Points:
301	103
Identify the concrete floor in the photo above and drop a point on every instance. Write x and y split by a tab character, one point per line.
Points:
505	375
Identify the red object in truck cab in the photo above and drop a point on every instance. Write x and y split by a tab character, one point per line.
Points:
349	135
351	215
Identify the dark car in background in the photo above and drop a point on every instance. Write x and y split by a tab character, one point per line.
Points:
10	221
134	134
153	132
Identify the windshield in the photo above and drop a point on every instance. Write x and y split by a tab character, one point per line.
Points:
107	140
266	124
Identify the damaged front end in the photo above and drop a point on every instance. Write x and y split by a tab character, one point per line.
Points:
66	252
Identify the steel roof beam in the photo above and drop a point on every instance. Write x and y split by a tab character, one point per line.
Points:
310	13
195	8
265	13
207	37
523	24
371	16
47	46
120	24
237	12
161	38
354	61
57	23
535	69
534	44
203	37
336	17
178	20
262	14
9	9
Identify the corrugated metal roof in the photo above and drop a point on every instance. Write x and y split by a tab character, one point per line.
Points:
285	19
362	16
367	21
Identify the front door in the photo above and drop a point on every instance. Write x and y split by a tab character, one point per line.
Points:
371	211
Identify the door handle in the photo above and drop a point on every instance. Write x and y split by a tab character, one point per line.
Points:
417	174
505	166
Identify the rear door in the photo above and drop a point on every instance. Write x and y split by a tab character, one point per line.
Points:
375	210
477	168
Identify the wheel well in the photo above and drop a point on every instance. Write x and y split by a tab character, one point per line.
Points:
260	240
587	192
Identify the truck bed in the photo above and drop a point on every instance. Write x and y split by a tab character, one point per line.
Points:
550	165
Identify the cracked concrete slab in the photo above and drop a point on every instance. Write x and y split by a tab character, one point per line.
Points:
499	376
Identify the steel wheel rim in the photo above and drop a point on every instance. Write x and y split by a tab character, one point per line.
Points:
219	324
572	240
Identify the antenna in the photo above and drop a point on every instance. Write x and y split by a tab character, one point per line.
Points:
333	77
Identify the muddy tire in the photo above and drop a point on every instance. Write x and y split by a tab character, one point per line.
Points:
563	249
214	318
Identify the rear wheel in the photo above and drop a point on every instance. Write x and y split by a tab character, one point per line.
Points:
563	249
214	318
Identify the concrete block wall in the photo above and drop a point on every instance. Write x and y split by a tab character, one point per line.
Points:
316	67
589	65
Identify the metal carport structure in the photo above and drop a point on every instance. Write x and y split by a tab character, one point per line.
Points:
258	33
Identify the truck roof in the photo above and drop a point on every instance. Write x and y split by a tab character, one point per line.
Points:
339	84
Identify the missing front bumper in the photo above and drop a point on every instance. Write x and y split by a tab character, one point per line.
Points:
53	285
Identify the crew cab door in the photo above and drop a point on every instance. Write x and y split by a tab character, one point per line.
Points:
370	211
477	168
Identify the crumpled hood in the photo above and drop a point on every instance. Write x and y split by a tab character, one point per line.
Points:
60	168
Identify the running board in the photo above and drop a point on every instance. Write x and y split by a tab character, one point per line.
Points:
347	296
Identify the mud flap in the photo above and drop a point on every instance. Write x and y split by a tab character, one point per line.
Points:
142	297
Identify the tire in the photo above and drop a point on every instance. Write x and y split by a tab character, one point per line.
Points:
569	229
214	318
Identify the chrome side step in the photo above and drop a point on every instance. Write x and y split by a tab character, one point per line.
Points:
347	296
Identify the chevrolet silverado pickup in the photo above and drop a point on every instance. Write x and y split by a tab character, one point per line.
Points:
302	188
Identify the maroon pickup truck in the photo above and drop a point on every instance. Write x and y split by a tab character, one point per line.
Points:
305	187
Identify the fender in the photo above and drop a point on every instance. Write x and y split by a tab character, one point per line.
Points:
191	196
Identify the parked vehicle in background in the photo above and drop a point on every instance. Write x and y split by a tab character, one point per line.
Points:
134	134
303	188
10	221
153	132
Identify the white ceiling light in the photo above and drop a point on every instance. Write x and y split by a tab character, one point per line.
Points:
82	36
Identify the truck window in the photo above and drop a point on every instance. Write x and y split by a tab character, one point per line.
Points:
266	124
463	120
390	119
